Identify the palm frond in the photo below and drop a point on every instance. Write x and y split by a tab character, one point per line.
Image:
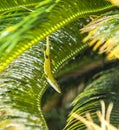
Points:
41	22
104	87
103	34
103	117
20	88
23	83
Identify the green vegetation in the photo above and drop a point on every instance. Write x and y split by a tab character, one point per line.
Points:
82	58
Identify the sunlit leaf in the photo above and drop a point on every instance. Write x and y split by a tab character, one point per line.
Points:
42	21
103	34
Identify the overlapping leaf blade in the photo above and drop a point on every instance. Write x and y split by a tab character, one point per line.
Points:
23	83
103	34
42	21
104	87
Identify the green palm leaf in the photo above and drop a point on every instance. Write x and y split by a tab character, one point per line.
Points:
103	34
104	87
23	83
40	22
